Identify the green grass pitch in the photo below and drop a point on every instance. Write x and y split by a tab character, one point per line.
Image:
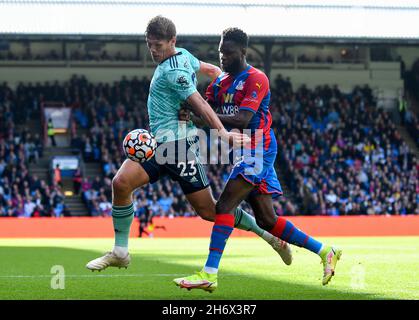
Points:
370	268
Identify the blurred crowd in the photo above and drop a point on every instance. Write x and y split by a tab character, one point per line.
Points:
109	113
338	153
411	121
342	155
22	194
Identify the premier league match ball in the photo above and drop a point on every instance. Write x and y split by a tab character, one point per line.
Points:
139	145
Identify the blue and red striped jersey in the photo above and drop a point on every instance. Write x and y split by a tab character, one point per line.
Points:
248	90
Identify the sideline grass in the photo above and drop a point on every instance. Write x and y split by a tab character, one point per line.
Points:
370	268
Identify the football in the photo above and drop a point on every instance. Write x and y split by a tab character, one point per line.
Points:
139	145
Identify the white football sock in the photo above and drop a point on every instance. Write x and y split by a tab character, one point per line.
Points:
120	252
210	270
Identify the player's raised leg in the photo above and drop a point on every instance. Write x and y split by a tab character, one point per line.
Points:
129	177
233	194
285	230
204	204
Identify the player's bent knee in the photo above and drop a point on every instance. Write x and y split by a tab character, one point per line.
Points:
121	184
206	214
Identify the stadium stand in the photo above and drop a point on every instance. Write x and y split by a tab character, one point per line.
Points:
339	153
22	194
411	115
342	155
412	125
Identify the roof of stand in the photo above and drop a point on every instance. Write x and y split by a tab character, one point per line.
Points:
330	19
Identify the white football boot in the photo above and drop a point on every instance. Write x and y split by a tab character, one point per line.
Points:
283	249
109	260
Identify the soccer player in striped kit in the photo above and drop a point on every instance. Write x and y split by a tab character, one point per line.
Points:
173	83
241	95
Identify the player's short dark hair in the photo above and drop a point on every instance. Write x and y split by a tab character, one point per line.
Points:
237	36
161	28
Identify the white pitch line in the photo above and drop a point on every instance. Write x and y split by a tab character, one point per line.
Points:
93	276
104	275
97	275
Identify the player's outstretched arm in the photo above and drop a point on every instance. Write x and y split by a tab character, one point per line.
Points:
210	70
201	108
186	115
198	121
239	120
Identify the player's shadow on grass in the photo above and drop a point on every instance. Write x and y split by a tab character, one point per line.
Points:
27	275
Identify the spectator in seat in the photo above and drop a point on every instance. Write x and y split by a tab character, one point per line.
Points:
57	176
77	180
105	207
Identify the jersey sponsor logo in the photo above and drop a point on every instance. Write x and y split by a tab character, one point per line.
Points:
218	85
249	99
259	85
228	97
185	65
230	109
182	81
